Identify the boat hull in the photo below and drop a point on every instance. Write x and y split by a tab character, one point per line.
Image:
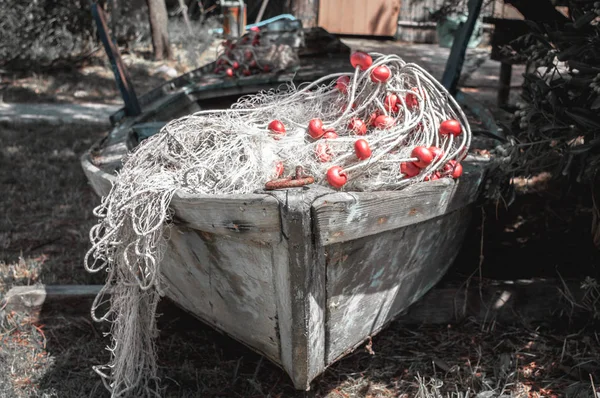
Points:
305	276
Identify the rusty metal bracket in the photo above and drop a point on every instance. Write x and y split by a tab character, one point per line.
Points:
295	181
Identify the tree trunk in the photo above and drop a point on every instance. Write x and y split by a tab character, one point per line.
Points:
157	12
306	11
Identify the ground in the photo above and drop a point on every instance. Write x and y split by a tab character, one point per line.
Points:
47	212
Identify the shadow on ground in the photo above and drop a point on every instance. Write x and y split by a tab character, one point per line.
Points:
195	361
93	84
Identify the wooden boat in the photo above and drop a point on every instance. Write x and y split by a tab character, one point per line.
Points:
304	275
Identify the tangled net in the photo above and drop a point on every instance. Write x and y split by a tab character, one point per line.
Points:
254	54
384	126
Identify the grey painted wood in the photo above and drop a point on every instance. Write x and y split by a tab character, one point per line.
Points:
227	282
251	216
343	216
371	279
100	181
306	289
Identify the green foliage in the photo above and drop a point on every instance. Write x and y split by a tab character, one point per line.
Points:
40	33
557	125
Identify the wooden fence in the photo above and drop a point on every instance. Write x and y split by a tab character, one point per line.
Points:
406	20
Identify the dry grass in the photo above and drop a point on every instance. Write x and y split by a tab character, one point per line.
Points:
43	235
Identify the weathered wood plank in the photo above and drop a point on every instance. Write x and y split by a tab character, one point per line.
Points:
100	181
226	282
35	300
306	292
344	216
283	299
251	216
371	279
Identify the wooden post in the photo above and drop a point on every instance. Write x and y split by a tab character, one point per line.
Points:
504	84
132	106
459	48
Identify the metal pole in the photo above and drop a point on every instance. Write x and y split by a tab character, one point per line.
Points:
261	12
459	48
132	105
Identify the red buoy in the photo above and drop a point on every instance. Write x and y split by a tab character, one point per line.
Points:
423	154
277	127
381	74
361	59
315	128
336	177
384	122
409	169
357	126
342	84
362	149
450	127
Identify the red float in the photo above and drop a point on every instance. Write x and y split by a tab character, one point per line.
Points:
361	59
362	149
342	84
357	126
437	153
409	169
390	102
277	127
453	169
424	155
384	122
450	127
315	128
336	177
381	74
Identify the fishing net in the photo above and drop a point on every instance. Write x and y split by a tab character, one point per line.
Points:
257	53
385	126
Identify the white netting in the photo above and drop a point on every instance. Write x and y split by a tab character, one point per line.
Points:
237	151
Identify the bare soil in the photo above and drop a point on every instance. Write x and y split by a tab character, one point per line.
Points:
94	81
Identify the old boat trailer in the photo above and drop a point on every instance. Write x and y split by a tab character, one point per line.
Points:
300	275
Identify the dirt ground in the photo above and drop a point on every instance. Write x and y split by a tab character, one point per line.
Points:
46	213
94	81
